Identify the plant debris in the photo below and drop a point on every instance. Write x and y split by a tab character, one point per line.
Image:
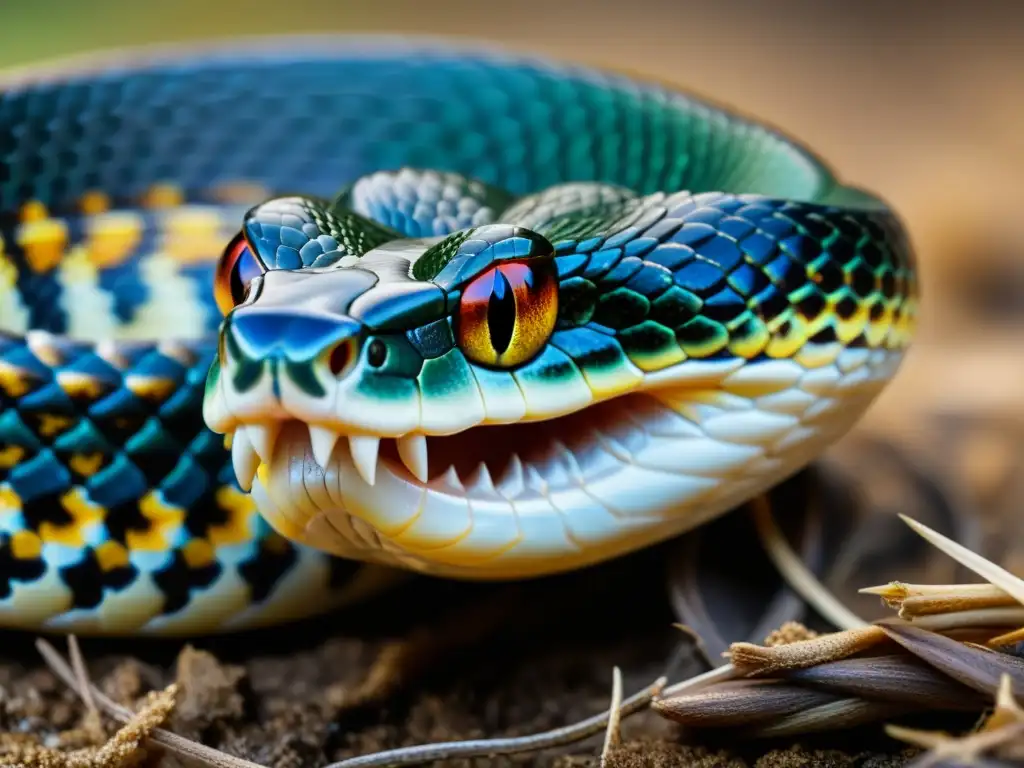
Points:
123	748
999	738
892	667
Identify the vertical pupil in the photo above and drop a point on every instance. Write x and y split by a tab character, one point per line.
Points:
501	313
243	271
237	286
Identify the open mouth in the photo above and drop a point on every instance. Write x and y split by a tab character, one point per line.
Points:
507	459
535	497
519	499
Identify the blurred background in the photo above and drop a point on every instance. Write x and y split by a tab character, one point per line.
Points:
922	102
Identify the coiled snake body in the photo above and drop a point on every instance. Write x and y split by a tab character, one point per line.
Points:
487	317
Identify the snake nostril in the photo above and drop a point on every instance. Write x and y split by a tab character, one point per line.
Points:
340	357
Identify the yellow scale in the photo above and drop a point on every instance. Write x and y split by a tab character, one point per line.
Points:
189	234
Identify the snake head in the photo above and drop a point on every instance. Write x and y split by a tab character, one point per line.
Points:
356	364
579	374
363	348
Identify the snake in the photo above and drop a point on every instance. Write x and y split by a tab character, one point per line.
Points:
285	321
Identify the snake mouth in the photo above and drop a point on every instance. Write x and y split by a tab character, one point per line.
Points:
540	496
499	458
465	500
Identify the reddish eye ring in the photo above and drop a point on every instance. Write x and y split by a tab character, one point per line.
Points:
507	314
235	271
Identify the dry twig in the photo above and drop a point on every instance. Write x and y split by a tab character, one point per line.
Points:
761	660
170	741
999	577
214	758
611	735
1003	728
121	749
558	737
797	575
940	657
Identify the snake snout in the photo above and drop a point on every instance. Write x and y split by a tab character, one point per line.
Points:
289	336
281	364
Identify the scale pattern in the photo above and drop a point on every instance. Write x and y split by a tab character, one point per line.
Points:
119	512
720	275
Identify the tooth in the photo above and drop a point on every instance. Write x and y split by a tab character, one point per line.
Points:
551	470
322	440
262	437
572	465
613	446
364	456
514	481
412	449
244	459
480	480
449	481
535	480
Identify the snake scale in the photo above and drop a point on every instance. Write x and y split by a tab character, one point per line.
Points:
281	320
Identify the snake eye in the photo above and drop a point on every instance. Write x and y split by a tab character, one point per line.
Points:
507	314
235	271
